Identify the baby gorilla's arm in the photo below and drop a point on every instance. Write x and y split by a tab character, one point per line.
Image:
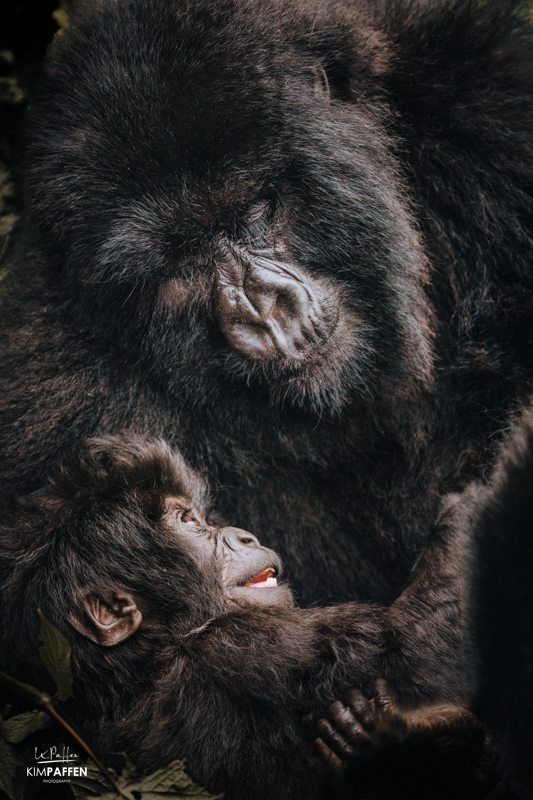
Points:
378	751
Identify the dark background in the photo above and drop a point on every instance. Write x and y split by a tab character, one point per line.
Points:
26	30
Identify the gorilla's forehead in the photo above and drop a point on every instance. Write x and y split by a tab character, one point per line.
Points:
197	104
186	77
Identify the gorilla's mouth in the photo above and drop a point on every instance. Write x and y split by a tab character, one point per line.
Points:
265	578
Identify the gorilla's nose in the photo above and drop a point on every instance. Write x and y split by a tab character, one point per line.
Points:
267	310
238	540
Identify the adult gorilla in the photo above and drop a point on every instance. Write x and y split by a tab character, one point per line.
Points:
294	240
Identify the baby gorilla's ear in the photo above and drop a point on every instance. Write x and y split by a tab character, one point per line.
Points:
107	620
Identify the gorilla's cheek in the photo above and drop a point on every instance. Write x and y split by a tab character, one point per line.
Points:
269	309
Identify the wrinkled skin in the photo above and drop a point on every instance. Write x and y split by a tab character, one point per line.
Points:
268	311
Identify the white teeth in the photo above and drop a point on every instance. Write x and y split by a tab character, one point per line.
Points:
268	582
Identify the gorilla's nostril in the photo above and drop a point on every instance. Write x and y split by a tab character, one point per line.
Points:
286	303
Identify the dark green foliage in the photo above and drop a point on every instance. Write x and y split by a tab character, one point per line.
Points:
55	655
16	756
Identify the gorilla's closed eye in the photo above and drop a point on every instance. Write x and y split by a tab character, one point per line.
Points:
188	518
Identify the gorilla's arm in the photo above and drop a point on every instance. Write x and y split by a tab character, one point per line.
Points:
248	689
250	686
427	622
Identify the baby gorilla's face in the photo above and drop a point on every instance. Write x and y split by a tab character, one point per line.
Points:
249	571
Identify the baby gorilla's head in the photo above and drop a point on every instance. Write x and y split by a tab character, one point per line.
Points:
119	548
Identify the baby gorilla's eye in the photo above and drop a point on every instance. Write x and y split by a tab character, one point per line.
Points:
188	518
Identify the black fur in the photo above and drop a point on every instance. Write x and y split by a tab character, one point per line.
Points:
496	521
381	157
502	600
236	688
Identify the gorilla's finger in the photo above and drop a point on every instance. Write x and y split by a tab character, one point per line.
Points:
384	696
334	739
363	710
327	756
347	725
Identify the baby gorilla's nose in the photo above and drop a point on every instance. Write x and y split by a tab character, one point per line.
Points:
237	540
250	571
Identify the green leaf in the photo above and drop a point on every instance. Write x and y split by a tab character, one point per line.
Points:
19	786
14	759
171	781
16	729
7	768
94	785
168	783
55	655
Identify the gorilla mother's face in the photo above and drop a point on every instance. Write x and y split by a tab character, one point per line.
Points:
208	178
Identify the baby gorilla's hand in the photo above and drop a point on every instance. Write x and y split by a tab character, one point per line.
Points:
356	726
378	750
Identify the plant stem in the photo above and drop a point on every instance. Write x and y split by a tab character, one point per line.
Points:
50	709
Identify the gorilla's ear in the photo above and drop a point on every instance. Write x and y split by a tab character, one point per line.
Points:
107	620
349	50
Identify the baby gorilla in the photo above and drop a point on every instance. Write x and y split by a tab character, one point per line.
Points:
183	642
378	751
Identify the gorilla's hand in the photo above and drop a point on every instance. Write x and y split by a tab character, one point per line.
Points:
378	750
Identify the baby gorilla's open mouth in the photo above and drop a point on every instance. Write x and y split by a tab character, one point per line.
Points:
265	578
